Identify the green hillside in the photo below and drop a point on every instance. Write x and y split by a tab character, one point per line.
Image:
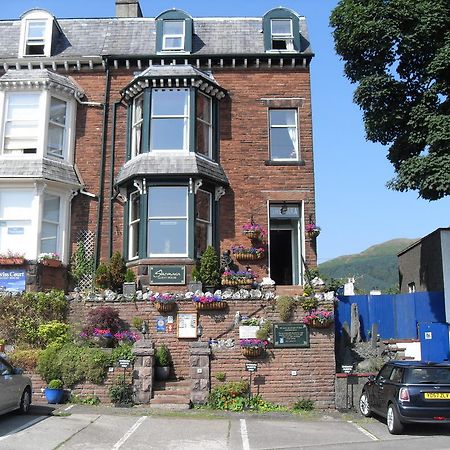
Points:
373	268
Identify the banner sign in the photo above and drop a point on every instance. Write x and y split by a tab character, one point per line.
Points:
12	280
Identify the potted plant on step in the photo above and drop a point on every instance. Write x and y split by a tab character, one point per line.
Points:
54	391
163	362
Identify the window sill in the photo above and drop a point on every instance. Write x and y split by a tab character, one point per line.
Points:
170	260
284	163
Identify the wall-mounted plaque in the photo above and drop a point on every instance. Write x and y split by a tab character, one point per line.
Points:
167	274
293	335
187	326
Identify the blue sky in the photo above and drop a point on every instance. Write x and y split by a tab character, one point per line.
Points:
354	208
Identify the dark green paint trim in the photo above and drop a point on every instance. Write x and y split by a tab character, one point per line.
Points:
175	14
281	13
143	226
192	120
146	120
128	131
191	225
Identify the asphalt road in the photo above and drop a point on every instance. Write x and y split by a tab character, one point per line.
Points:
113	429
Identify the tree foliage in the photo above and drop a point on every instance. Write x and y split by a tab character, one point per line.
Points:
398	53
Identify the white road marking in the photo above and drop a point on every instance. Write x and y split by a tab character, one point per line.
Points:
364	431
125	437
69	407
22	427
244	435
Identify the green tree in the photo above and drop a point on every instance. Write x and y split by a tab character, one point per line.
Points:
398	54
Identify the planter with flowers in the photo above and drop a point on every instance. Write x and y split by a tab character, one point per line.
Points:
103	337
319	318
312	230
126	337
163	302
208	301
242	253
12	259
253	230
240	278
252	348
49	259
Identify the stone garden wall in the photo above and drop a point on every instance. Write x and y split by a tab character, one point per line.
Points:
284	374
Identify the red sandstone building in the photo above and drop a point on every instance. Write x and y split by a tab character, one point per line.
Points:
157	137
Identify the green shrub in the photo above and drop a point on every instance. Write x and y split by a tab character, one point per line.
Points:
210	267
73	364
117	271
162	356
303	404
130	276
137	322
264	330
231	396
122	351
85	399
121	393
53	332
26	359
102	277
285	307
257	403
221	376
55	384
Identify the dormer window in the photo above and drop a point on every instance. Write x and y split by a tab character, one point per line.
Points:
173	35
282	36
281	28
174	30
37	33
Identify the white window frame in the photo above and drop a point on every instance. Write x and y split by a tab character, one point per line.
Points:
57	238
208	124
30	17
132	225
297	146
42	129
186	218
185	117
288	38
63	154
171	36
208	224
136	127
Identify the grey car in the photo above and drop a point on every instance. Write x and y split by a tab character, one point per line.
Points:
15	389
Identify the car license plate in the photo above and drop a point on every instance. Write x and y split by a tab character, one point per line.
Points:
437	395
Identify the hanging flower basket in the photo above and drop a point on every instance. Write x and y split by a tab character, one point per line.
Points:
251	352
319	318
312	230
51	262
164	307
318	324
252	234
12	261
213	305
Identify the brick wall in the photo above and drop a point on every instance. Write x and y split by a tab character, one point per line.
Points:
315	366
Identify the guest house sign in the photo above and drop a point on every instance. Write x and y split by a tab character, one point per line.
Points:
167	274
293	335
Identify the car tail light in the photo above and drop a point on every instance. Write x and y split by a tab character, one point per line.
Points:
403	395
439	418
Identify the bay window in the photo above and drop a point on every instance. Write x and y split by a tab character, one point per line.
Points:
203	223
167	221
204	125
283	134
50	224
136	125
169	120
133	225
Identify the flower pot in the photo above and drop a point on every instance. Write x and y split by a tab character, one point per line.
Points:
54	396
317	324
313	234
162	373
164	307
51	262
211	305
248	256
252	234
12	261
251	352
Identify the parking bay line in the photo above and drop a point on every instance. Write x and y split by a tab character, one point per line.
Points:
126	436
364	431
244	435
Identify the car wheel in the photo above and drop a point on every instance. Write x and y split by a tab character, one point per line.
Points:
25	402
364	406
393	421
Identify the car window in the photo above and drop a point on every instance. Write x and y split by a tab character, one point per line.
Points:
396	375
384	373
5	368
428	375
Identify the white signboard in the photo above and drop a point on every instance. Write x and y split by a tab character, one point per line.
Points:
248	331
187	326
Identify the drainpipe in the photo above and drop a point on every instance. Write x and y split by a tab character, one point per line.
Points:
102	164
111	176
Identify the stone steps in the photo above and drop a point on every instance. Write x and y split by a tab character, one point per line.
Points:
172	395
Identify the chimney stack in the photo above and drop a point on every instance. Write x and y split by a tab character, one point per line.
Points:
128	8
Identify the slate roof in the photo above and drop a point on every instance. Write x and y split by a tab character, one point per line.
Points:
186	165
43	168
137	37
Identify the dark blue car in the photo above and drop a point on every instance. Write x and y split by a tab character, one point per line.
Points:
408	392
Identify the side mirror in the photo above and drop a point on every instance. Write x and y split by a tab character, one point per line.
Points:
17	371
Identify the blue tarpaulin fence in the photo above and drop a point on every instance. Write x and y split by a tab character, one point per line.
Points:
397	316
